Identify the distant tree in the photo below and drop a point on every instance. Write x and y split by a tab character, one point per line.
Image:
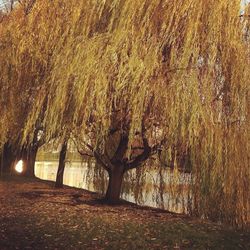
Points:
19	85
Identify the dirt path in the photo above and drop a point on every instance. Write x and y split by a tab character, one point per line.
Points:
34	215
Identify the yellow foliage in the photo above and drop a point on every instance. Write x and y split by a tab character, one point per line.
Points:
181	66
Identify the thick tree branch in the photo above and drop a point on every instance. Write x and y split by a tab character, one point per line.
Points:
121	150
99	158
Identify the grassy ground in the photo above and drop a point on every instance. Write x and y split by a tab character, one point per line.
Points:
34	215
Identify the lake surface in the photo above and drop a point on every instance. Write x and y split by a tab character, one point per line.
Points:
151	194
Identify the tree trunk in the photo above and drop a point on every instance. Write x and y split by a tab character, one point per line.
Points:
29	158
114	185
61	167
8	158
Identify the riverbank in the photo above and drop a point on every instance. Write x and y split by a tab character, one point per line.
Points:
34	215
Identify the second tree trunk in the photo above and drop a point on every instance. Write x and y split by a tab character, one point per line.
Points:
29	158
61	167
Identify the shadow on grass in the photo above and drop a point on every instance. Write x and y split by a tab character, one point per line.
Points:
78	199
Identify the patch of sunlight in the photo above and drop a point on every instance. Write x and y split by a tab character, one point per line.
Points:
19	167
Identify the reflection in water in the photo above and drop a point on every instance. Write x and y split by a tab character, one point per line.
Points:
152	193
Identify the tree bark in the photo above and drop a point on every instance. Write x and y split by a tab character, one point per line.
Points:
29	158
8	158
61	166
114	185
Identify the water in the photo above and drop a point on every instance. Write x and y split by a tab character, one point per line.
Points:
152	194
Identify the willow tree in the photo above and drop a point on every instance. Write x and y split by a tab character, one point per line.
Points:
147	75
25	63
